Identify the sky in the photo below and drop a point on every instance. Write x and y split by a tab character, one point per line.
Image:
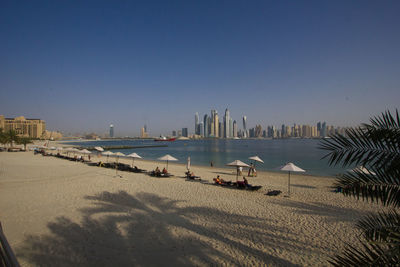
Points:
82	65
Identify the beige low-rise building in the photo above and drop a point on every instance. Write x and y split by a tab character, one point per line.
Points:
33	128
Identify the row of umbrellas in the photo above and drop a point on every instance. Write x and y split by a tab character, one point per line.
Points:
289	167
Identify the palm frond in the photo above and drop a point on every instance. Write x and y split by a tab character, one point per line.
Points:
363	146
370	255
377	186
382	227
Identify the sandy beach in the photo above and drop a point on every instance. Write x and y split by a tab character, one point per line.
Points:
57	212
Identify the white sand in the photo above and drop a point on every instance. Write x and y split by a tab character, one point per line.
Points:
56	212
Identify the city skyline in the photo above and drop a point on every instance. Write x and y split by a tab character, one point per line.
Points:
81	66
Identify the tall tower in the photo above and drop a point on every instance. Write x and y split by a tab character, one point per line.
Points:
196	123
230	128
206	121
234	129
245	126
216	124
212	121
226	124
111	130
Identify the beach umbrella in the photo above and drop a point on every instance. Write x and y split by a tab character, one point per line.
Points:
134	156
362	169
256	158
85	151
53	148
168	158
237	164
118	154
99	148
188	164
290	167
107	153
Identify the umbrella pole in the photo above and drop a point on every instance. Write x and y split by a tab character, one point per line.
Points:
289	184
237	173
167	165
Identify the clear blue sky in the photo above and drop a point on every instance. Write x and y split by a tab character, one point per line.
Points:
81	65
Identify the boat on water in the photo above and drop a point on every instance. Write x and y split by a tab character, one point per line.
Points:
163	138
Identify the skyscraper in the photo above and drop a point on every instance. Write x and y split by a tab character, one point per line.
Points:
245	126
201	127
185	132
323	129
206	121
216	124
230	128
111	130
196	123
234	128
226	124
212	122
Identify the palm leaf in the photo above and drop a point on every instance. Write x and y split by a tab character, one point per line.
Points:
377	186
383	227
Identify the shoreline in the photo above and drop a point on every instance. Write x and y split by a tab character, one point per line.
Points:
224	167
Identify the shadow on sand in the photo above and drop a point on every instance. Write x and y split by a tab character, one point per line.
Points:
119	229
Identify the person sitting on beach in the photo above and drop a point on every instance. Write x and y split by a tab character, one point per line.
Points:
135	168
218	180
245	182
164	171
157	171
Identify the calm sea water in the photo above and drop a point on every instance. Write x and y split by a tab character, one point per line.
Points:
302	152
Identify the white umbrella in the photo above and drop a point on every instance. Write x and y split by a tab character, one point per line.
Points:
362	169
85	151
53	148
134	156
117	154
99	148
168	158
107	153
188	164
290	167
237	164
256	158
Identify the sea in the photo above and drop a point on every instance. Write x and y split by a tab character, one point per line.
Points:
304	153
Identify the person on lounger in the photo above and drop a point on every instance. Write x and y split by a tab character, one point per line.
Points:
164	171
157	172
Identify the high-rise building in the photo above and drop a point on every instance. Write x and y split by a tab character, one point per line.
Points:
244	126
226	124
230	128
221	129
258	131
212	123
206	122
323	129
319	128
111	130
174	133
201	127
143	132
216	124
235	130
196	123
185	132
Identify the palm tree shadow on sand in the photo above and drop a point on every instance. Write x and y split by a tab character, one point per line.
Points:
119	229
